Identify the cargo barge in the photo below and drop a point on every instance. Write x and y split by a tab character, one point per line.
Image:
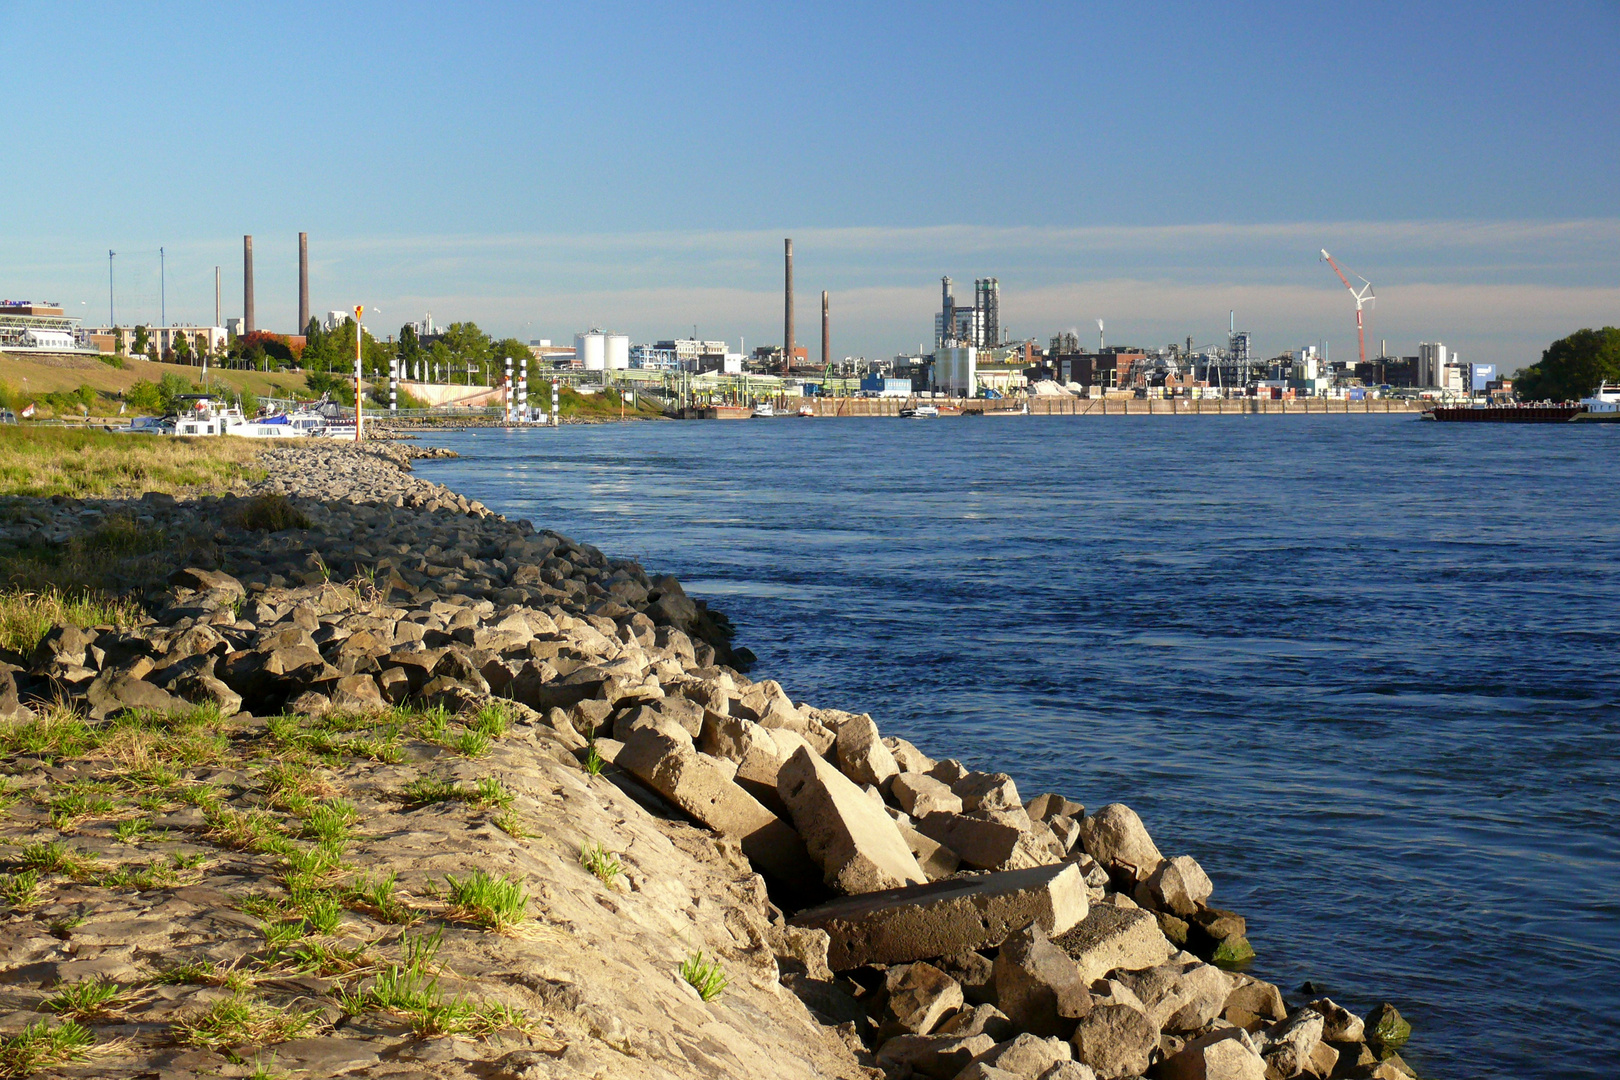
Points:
1505	414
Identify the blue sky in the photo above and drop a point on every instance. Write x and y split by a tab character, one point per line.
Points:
544	168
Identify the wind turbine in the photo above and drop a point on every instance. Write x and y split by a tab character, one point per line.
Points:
1363	297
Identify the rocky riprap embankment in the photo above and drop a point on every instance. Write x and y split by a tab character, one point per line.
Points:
392	786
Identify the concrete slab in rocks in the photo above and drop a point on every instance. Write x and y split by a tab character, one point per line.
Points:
861	753
1113	937
695	784
901	925
1180	995
908	757
859	848
920	794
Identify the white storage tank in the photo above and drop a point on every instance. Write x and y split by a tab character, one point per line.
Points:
591	350
618	352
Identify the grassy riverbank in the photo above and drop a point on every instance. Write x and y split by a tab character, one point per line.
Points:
42	462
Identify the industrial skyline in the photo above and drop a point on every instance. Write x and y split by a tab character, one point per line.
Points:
1473	189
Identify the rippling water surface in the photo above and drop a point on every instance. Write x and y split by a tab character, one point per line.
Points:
1363	669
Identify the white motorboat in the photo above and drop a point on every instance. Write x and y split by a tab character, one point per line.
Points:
765	409
921	412
1601	405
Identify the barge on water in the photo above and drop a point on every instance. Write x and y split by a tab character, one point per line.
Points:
1601	406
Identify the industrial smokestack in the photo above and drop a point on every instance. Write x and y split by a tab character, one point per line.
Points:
216	298
787	312
826	347
303	282
247	284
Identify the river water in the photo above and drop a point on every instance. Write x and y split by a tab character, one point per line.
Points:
1362	668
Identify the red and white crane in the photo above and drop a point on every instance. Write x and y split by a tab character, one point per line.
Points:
1364	298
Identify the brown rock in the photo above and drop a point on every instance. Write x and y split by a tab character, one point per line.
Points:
919	795
1114	937
1116	1040
1115	837
1038	986
919	996
861	753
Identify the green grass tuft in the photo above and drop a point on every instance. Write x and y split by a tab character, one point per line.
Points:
495	902
601	862
40	1045
84	1000
705	976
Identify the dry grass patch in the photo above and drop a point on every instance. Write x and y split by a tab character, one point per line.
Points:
26	617
41	462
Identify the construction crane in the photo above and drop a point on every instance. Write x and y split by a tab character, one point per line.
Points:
1364	298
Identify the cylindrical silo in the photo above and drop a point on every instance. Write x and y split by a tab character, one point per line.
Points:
618	351
591	350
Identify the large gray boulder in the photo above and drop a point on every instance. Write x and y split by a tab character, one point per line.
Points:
1038	986
946	917
1290	1047
857	845
861	753
1116	837
1114	937
664	759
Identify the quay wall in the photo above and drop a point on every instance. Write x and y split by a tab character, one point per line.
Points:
1071	406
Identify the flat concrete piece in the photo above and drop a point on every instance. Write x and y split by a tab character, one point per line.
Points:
1114	937
859	847
918	923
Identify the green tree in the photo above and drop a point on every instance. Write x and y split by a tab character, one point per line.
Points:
182	348
468	347
410	346
143	340
1572	367
118	341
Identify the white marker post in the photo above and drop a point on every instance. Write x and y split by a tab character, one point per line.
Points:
556	417
359	416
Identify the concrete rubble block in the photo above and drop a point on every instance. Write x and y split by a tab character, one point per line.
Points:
1226	1054
1253	1004
946	917
1111	938
1046	806
982	1019
978	1070
948	771
1179	886
672	767
1116	1039
862	755
859	848
919	997
988	839
1338	1023
936	860
357	692
919	794
976	973
1324	1060
1117	839
908	757
115	691
939	1057
208	581
1025	1055
988	791
803	947
1182	994
1289	1047
733	737
1067	831
1038	986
